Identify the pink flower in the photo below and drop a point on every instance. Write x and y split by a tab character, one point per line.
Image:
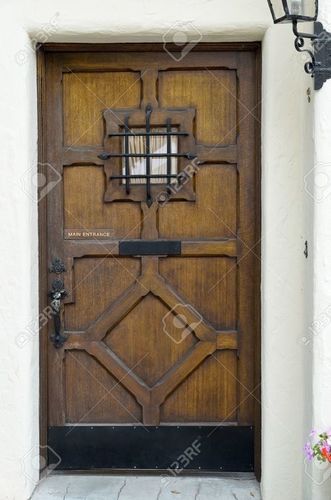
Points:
309	452
319	447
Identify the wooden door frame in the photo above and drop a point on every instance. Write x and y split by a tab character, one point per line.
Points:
42	206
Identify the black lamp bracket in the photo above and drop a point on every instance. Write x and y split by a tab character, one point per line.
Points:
322	50
319	66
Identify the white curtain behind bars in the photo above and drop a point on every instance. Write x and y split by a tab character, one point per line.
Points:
158	145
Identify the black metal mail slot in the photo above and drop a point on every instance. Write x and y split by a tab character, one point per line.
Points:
141	247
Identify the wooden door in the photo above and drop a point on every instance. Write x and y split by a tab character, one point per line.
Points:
152	257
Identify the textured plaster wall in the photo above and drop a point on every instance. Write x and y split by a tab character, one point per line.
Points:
322	270
285	128
19	265
285	370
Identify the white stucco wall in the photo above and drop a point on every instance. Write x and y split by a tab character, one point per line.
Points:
19	293
322	269
286	145
285	371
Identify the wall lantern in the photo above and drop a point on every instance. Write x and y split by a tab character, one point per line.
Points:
296	11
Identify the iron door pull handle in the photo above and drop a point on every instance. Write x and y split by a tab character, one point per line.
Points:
57	294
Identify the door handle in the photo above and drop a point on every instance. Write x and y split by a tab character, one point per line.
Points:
57	294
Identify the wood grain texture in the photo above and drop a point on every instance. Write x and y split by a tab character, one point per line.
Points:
150	47
86	95
43	257
216	117
208	284
101	396
98	282
84	208
155	339
214	213
140	335
207	395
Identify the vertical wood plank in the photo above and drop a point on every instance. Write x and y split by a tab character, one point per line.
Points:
248	234
42	233
54	197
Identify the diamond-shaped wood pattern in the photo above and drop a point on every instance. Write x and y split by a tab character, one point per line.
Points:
151	398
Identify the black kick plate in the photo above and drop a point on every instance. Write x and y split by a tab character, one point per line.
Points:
191	448
146	247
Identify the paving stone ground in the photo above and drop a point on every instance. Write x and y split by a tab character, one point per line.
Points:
98	487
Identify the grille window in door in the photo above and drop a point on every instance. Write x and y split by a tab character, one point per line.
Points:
163	166
152	248
156	155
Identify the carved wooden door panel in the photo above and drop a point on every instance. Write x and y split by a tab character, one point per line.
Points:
152	241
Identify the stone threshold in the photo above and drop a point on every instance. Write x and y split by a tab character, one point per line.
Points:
146	487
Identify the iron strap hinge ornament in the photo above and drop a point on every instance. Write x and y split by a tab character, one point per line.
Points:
57	294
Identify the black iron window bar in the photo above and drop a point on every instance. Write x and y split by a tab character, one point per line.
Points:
168	133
